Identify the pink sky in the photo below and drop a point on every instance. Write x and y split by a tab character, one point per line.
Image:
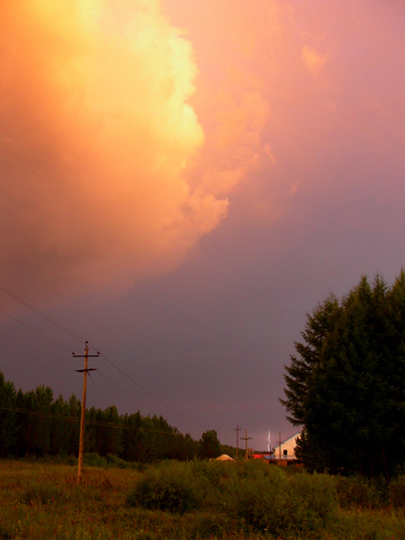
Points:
208	170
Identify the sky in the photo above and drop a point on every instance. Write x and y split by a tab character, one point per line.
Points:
181	183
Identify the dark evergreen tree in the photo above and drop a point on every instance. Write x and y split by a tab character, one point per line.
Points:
8	417
209	445
73	424
59	432
308	359
34	421
346	384
43	398
187	447
112	440
131	436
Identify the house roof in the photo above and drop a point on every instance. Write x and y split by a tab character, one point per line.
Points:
290	439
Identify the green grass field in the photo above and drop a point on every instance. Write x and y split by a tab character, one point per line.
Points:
197	500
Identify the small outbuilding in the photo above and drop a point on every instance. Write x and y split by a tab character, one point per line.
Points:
224	457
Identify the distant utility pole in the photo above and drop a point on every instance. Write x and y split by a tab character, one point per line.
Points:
86	369
246	438
237	429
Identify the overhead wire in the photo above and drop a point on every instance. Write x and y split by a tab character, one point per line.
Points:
81	339
168	407
51	320
120	388
100	392
91	422
34	330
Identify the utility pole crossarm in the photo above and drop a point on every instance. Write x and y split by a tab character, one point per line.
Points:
86	369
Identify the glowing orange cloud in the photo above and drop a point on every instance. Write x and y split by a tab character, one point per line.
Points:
96	133
123	137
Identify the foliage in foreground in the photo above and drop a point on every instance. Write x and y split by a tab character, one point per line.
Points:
346	383
171	489
234	502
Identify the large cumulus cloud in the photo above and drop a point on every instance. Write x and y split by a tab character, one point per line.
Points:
96	133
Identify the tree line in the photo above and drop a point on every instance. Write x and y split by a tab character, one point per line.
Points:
345	385
34	424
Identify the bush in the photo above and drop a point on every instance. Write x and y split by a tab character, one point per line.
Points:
397	492
276	503
209	525
42	493
92	459
6	532
360	492
115	461
214	471
256	504
258	469
171	489
315	500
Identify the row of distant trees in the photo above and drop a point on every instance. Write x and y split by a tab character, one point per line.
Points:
34	424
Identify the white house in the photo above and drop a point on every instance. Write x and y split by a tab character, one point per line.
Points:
286	450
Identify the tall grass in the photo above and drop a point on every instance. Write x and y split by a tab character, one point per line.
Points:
194	501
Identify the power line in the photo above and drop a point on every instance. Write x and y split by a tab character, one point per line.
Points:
36	331
119	388
76	336
43	315
81	339
149	393
100	392
92	422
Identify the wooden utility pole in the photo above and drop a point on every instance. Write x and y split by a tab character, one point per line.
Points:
86	369
246	438
237	429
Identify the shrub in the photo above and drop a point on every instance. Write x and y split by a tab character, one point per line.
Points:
276	503
209	525
360	492
256	504
397	492
171	489
115	461
42	493
92	459
6	531
214	471
315	500
258	469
